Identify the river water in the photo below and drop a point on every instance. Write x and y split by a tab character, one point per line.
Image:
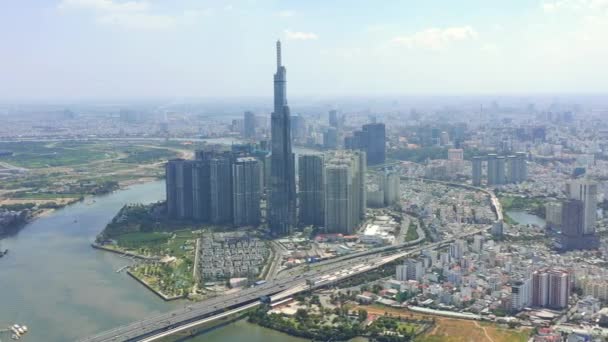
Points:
54	282
523	217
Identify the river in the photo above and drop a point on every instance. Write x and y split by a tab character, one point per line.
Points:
54	282
523	217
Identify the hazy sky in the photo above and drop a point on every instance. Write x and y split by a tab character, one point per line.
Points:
76	49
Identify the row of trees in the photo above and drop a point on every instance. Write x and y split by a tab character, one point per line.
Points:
343	326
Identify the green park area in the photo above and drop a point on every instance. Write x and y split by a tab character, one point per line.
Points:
169	246
412	233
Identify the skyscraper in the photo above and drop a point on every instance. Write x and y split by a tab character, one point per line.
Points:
512	175
391	187
247	191
579	216
572	218
523	166
333	118
585	191
311	190
550	288
476	176
282	204
201	205
345	198
249	125
330	138
220	188
517	168
492	169
500	170
179	188
375	143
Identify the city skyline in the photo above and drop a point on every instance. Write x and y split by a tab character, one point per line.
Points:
146	49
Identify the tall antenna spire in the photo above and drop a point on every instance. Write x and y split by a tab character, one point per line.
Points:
278	54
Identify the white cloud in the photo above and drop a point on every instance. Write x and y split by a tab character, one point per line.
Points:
436	38
295	35
132	14
286	13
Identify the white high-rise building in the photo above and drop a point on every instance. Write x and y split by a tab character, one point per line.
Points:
411	269
457	249
478	243
391	186
520	294
585	191
345	198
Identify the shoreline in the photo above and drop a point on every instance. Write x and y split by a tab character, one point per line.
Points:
44	212
127	253
157	292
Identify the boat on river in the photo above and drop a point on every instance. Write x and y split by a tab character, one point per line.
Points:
3	253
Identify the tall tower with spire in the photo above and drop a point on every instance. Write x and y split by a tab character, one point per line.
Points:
282	200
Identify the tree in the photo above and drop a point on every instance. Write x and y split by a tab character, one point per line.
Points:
301	315
362	315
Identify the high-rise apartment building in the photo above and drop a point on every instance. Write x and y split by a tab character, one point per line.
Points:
391	184
330	138
220	188
500	170
345	200
249	125
375	143
411	269
247	191
477	169
553	214
179	188
311	178
550	288
333	118
517	168
492	169
371	139
520	294
579	216
585	191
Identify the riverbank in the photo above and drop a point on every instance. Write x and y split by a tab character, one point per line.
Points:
155	291
122	252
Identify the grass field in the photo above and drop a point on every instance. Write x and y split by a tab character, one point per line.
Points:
457	330
412	234
35	155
